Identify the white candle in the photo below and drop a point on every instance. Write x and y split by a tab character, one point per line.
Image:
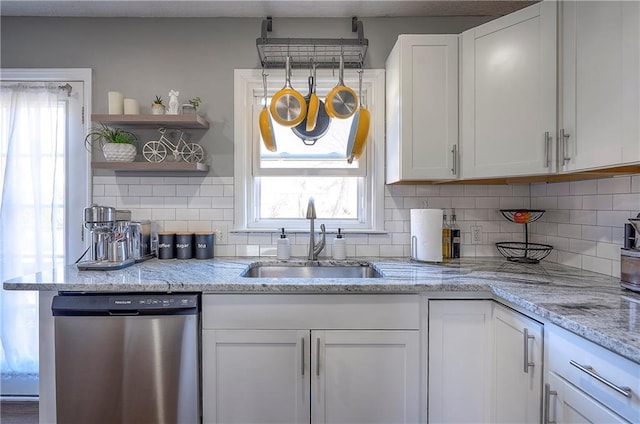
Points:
116	103
131	107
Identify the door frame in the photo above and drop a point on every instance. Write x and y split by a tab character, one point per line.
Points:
72	217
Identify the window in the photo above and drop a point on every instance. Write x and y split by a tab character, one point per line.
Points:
273	188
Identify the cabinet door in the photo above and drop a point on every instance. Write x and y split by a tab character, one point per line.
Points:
509	94
259	376
460	361
518	367
599	71
566	404
365	376
422	108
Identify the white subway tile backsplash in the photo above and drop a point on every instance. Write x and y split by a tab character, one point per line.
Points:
581	188
583	220
596	233
597	202
612	218
614	185
163	215
570	230
583	247
164	190
608	251
586	217
488	203
558	189
628	202
570	202
595	264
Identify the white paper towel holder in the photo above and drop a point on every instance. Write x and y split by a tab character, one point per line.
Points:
414	251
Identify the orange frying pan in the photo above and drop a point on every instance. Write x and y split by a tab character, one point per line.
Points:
266	126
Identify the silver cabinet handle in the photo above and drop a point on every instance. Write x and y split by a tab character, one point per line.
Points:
547	404
527	337
564	139
318	356
625	391
547	149
302	340
454	152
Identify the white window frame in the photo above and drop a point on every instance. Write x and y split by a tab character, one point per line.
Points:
248	82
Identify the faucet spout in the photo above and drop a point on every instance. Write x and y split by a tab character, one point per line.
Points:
314	249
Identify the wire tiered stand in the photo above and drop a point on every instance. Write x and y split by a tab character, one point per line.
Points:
515	251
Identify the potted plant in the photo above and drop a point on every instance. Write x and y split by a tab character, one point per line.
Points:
192	106
117	144
157	107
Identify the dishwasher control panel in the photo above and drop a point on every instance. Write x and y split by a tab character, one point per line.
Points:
125	304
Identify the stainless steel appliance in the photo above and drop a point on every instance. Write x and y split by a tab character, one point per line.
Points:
630	258
110	238
141	241
127	358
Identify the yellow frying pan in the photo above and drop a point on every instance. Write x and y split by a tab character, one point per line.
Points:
266	126
314	105
342	101
362	129
288	107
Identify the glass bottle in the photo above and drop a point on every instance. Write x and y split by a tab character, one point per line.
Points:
455	236
446	238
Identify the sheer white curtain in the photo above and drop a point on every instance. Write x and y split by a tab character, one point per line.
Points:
32	153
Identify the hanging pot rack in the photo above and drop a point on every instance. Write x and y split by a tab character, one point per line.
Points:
322	52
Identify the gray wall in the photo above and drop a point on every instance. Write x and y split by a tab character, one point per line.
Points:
142	57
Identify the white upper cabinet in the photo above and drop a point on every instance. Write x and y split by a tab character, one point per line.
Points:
422	109
508	87
599	91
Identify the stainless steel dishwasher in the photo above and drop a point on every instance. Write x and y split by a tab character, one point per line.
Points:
127	358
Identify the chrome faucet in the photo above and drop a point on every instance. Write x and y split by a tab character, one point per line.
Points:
314	249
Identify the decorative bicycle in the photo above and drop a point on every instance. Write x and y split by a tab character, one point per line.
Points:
156	150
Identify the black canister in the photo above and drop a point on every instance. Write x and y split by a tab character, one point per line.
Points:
204	245
166	245
184	245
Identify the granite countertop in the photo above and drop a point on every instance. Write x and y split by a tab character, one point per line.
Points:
588	304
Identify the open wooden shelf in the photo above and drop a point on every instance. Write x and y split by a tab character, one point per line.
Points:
151	166
176	121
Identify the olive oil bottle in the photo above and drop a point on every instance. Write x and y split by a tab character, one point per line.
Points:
446	238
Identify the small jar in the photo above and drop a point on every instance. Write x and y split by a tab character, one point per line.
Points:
204	245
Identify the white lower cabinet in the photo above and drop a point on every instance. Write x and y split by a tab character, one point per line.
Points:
460	361
568	405
587	383
518	367
330	369
485	363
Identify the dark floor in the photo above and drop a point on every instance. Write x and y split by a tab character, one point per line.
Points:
19	412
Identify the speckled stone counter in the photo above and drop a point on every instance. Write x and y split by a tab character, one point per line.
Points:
588	304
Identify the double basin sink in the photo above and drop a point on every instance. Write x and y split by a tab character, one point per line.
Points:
311	269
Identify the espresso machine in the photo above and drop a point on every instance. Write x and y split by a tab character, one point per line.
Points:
630	256
110	238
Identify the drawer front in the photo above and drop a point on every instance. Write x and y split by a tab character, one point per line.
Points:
298	311
611	379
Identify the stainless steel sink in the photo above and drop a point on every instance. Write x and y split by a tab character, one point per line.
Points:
305	270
